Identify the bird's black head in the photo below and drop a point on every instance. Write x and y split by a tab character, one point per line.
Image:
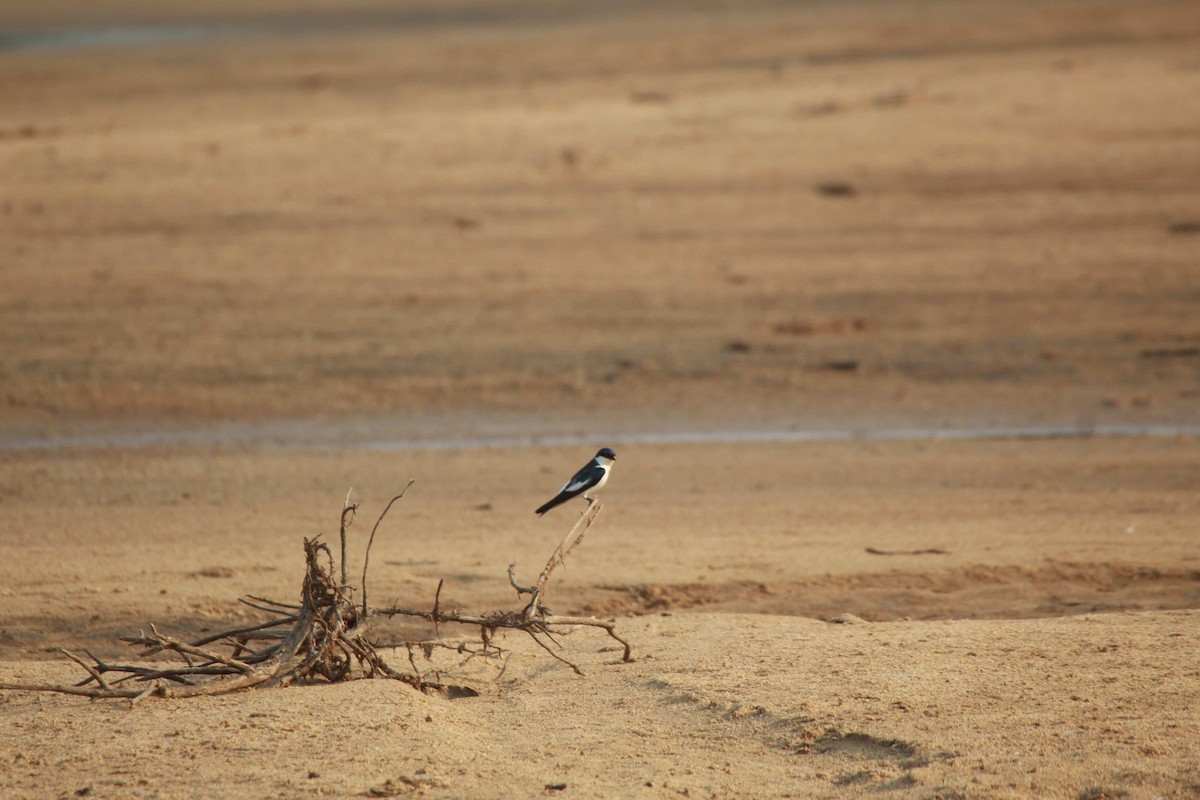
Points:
606	452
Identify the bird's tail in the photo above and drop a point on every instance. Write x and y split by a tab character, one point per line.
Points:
542	509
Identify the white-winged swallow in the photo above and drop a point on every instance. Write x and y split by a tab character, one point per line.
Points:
591	478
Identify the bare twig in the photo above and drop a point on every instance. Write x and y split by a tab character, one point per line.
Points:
570	541
259	631
259	606
142	695
371	541
90	670
285	607
555	655
347	519
512	579
607	625
437	603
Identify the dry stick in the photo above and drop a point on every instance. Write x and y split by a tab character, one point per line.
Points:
497	620
101	667
503	668
256	629
148	673
512	579
200	652
555	655
261	631
158	642
154	644
348	510
371	541
133	701
76	690
257	656
413	662
90	671
532	619
279	603
134	672
611	627
569	542
437	604
244	681
173	674
512	621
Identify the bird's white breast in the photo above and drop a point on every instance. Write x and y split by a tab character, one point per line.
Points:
603	478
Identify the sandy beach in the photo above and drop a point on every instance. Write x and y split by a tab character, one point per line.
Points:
889	310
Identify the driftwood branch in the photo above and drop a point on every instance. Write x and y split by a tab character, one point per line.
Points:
318	638
323	636
534	619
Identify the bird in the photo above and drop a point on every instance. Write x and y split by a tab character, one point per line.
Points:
592	477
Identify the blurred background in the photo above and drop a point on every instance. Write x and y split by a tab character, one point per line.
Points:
421	220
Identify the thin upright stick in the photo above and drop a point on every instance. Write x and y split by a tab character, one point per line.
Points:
570	542
371	541
348	510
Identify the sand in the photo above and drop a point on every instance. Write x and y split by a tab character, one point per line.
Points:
315	247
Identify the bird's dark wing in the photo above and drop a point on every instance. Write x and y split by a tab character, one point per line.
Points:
583	480
580	482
